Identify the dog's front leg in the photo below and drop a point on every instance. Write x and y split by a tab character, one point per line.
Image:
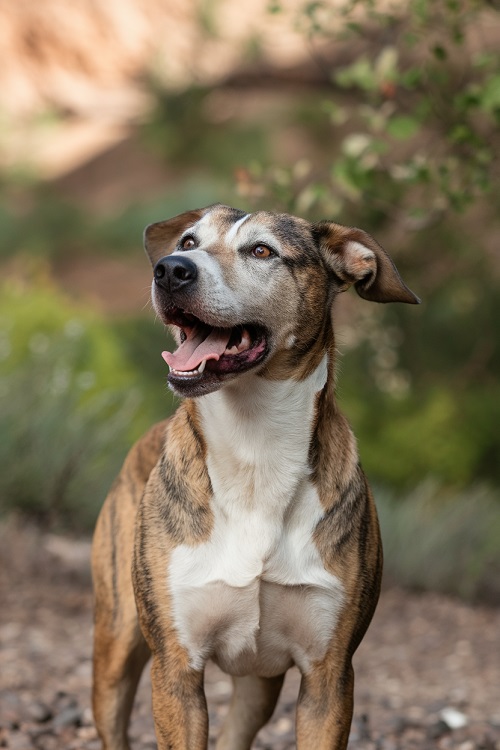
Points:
324	710
179	706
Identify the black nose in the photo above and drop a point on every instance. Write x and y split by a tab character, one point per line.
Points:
175	271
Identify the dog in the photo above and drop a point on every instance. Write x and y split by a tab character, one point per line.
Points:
243	529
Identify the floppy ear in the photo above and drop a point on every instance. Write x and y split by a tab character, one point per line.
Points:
356	258
161	238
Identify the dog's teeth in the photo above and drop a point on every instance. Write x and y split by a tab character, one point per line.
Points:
189	373
245	342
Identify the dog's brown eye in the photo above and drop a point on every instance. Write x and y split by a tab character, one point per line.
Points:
261	251
188	243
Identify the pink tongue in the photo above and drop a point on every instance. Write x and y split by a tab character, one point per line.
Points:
198	346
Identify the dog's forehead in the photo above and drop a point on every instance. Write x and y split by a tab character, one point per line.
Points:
234	228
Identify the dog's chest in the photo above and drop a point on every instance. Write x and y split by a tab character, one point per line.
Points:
256	597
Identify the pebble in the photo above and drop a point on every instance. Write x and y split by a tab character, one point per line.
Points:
487	743
39	712
10	709
87	717
389	744
437	729
453	719
19	741
68	717
360	729
399	724
87	733
283	725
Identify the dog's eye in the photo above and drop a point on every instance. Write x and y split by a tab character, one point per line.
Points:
261	251
188	243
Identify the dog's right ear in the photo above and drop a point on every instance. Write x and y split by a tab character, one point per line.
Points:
161	238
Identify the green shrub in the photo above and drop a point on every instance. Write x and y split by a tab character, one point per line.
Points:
440	541
71	405
47	225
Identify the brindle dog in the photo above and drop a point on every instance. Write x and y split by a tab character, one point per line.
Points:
243	530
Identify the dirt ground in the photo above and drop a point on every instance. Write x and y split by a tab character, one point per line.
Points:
427	674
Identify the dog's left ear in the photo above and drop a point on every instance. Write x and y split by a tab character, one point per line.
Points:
161	238
356	258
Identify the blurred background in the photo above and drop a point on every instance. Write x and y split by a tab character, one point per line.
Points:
379	114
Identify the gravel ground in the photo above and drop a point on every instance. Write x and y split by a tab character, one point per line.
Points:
428	672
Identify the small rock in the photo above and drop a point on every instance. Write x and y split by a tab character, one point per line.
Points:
19	741
437	729
11	710
388	744
283	725
87	733
65	700
68	717
487	743
453	719
399	724
38	711
361	726
48	742
87	717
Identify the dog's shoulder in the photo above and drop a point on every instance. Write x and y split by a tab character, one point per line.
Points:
144	454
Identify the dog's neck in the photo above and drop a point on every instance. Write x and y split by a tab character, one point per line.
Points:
258	434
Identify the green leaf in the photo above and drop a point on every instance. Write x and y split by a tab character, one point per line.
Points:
410	78
439	52
360	74
403	127
490	95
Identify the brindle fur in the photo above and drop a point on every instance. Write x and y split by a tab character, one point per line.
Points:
162	498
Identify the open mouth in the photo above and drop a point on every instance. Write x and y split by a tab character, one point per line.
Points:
208	352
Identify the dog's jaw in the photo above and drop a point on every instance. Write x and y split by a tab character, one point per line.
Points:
208	356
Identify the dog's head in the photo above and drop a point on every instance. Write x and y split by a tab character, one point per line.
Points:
254	291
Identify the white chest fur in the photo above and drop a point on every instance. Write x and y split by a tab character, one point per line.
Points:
255	596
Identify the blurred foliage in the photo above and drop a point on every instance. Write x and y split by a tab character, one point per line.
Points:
419	133
190	128
72	401
421	384
443	542
38	221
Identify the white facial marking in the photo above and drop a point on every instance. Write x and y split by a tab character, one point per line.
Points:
256	596
233	231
